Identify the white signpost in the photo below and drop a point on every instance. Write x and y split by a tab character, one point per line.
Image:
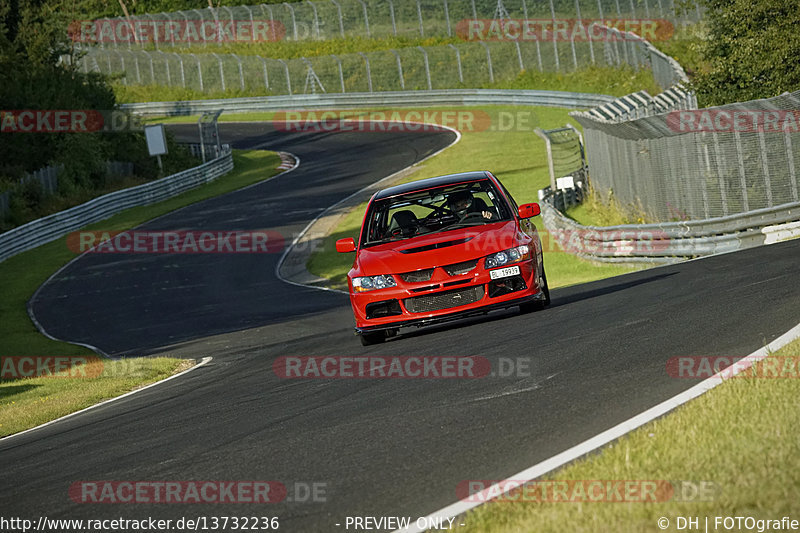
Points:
156	142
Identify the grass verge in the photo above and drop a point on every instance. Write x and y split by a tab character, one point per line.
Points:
738	436
518	159
22	274
27	403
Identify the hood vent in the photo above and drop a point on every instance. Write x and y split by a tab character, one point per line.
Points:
435	246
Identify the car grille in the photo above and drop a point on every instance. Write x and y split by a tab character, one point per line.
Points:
417	276
460	268
444	300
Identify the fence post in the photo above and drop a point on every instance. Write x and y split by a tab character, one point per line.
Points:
391	14
419	16
316	18
241	71
787	140
742	175
366	18
294	21
399	68
427	66
199	71
765	166
555	44
458	63
202	18
488	61
166	66
339	15
183	74
271	17
221	71
723	192
369	73
266	76
447	17
341	73
549	148
519	56
288	78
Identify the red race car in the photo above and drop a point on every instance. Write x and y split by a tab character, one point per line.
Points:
441	249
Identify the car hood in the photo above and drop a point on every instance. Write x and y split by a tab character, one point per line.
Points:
438	249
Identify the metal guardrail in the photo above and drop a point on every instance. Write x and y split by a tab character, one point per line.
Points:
669	242
450	97
52	227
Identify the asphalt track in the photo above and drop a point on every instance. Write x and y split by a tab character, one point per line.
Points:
382	447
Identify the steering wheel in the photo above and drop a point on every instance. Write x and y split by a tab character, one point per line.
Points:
472	214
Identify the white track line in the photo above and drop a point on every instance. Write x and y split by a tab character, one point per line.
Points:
615	432
203	362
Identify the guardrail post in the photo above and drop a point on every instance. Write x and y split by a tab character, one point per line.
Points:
399	68
427	66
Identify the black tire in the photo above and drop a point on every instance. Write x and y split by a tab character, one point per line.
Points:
368	339
539	304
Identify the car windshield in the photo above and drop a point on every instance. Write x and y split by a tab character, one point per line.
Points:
433	210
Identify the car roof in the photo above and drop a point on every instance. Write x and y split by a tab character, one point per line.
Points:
430	183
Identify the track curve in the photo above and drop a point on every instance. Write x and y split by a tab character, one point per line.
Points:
392	447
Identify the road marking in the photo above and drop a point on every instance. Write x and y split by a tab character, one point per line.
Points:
614	433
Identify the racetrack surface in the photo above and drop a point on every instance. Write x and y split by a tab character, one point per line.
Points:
382	447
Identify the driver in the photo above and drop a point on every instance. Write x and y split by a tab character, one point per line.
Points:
462	203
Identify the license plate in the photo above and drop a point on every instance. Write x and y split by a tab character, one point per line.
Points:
504	272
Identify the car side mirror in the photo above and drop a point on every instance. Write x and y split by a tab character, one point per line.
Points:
344	246
529	210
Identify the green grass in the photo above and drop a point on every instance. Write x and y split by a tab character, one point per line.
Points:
518	159
22	274
26	403
597	210
741	436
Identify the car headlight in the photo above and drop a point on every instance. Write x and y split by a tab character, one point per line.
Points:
369	283
507	257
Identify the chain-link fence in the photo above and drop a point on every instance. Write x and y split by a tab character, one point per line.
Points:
698	164
332	19
464	65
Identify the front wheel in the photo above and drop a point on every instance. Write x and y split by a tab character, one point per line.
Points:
539	304
368	339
